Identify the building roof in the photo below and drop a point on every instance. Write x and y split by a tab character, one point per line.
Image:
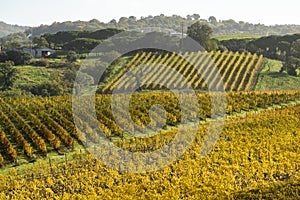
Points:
46	49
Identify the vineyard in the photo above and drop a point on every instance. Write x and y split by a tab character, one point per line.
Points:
150	107
32	127
256	156
238	71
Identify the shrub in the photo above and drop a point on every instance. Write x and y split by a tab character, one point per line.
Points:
72	56
41	62
47	89
18	57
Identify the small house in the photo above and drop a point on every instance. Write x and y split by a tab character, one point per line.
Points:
44	52
38	53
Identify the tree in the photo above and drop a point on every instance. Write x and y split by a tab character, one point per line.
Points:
60	38
3	56
102	34
8	75
295	49
40	42
189	17
69	76
18	57
123	22
212	20
212	45
68	79
291	65
113	21
48	88
202	33
72	56
81	45
132	18
285	48
196	16
268	45
12	44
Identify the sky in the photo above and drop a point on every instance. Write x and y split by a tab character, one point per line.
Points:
37	12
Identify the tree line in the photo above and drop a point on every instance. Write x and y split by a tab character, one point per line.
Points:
285	48
175	22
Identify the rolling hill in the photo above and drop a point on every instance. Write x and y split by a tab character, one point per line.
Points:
6	29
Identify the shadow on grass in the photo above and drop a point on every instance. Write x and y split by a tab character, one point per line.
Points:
276	74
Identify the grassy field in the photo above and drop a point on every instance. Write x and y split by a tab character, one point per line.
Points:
271	78
229	37
32	75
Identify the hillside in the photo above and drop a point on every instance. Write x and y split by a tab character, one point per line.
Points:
100	100
238	71
175	22
6	29
256	152
32	127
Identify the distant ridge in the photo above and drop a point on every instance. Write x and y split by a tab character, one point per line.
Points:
6	29
174	22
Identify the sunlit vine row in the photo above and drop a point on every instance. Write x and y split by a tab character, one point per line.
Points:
254	158
237	71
